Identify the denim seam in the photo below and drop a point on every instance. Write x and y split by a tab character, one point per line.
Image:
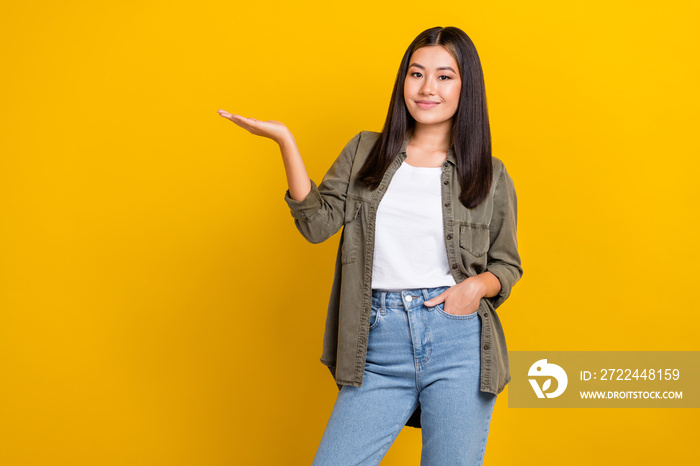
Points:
376	319
429	340
455	316
484	439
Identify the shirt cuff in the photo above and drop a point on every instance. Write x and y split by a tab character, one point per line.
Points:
306	208
504	276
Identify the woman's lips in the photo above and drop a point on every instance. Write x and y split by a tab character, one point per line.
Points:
426	104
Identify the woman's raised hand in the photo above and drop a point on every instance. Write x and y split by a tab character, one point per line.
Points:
297	177
272	129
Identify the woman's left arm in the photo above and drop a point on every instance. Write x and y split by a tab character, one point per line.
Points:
503	259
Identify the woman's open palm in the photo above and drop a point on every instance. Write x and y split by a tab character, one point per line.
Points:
272	129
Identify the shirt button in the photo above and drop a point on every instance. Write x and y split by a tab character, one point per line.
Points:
449	236
486	346
447	204
444	164
445	182
485	314
454	266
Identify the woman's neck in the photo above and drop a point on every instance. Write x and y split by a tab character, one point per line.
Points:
428	145
432	138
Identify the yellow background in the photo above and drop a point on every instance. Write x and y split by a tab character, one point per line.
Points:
143	319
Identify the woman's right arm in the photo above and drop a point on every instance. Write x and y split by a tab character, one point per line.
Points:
318	211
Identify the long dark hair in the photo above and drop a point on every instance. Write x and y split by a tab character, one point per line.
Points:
471	133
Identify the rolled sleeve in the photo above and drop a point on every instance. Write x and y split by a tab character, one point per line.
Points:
322	212
503	256
307	207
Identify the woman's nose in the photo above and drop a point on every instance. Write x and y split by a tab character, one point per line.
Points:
427	88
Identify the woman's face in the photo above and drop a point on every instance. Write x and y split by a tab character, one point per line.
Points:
432	85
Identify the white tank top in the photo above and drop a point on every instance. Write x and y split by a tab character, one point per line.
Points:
409	241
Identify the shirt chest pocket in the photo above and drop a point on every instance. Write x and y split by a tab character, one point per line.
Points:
351	230
474	239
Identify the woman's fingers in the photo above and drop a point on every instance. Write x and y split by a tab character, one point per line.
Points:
243	122
249	124
239	119
244	119
235	117
272	129
436	300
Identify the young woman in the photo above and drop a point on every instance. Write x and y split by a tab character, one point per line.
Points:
428	252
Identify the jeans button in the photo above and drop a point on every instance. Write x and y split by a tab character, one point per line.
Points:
409	298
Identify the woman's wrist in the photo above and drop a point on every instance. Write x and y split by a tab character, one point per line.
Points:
286	140
490	284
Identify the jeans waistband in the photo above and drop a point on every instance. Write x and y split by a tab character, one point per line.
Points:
408	298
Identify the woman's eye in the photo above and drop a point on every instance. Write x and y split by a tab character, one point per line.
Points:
416	74
443	76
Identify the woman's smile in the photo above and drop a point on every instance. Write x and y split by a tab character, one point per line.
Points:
427	104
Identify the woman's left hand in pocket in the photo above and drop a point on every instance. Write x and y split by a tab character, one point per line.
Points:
462	298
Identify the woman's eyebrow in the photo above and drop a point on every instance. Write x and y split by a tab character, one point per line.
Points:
439	68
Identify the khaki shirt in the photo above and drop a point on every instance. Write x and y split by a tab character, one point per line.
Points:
477	240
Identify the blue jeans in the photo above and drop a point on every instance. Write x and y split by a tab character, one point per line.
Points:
415	354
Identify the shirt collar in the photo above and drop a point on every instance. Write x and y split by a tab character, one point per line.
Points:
450	152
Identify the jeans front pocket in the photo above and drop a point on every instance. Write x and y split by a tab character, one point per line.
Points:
440	308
